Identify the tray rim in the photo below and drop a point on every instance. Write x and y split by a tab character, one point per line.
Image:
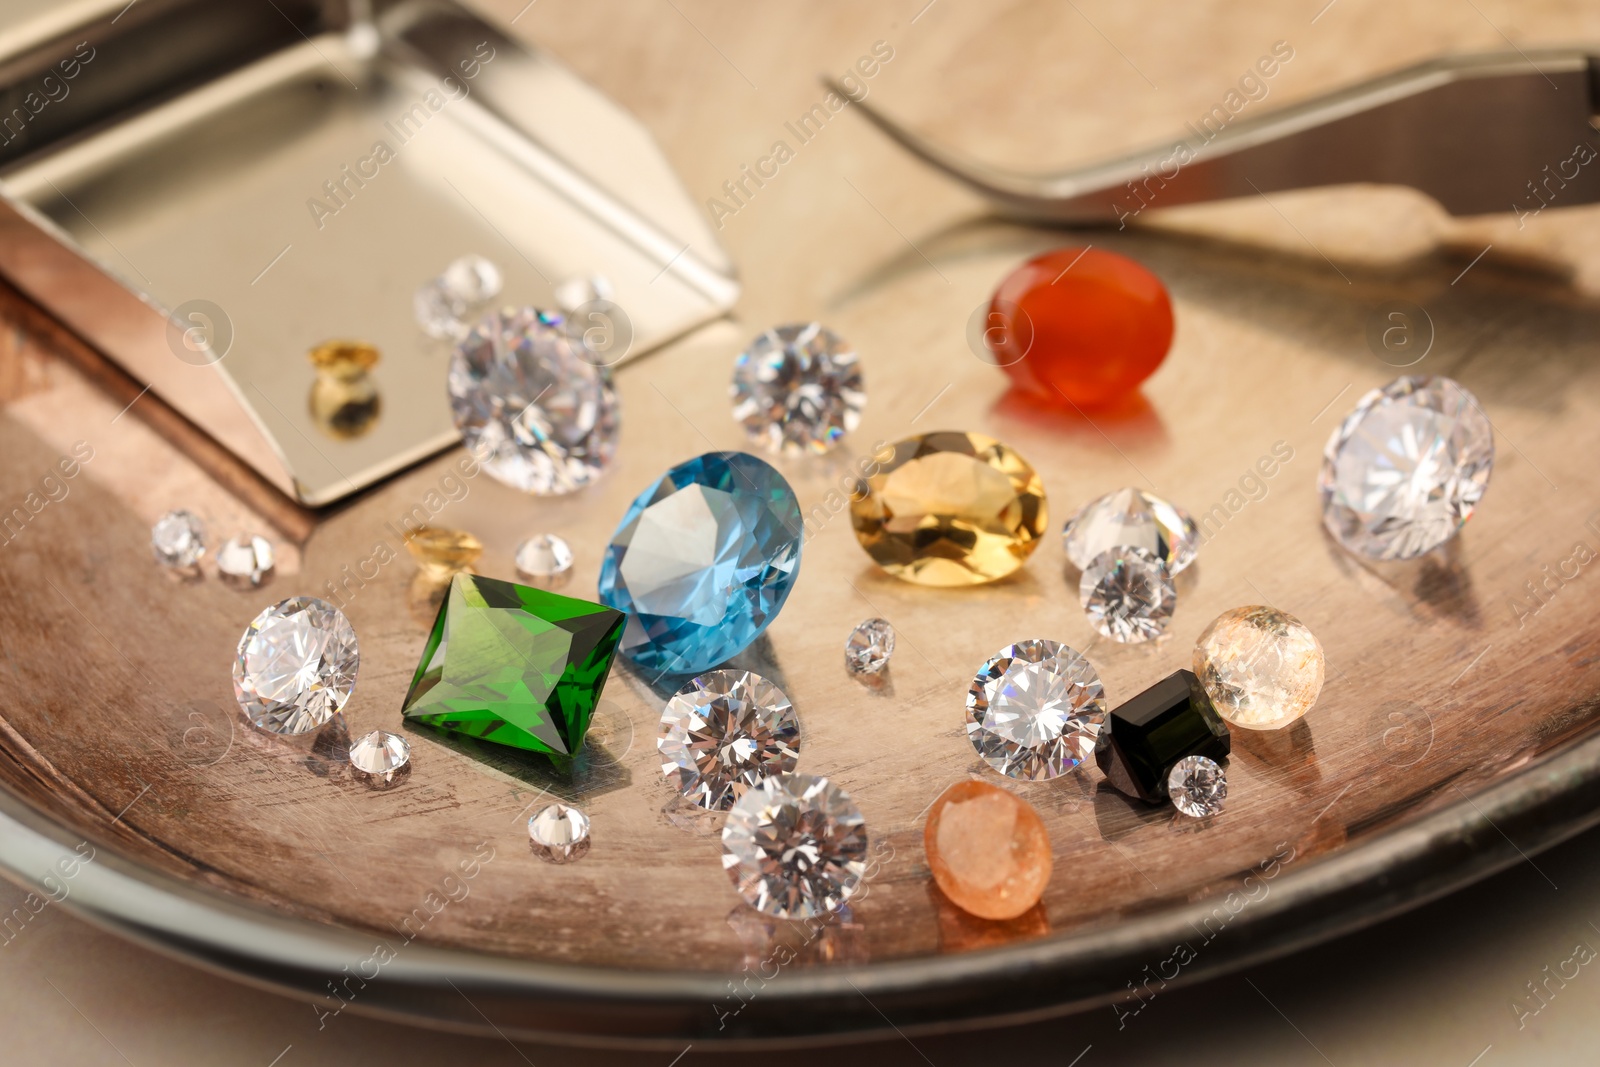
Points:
1554	797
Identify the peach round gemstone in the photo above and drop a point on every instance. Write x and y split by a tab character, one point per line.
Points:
987	849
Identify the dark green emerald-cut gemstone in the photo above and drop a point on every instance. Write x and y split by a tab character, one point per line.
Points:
514	665
1144	737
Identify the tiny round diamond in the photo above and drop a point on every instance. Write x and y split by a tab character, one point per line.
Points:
1035	710
1197	786
178	540
795	846
559	834
1404	471
724	732
296	666
545	560
869	647
1127	594
538	415
246	559
380	755
442	305
1132	517
798	389
1261	668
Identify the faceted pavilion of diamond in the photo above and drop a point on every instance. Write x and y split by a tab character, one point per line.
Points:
1132	517
514	665
1035	710
703	562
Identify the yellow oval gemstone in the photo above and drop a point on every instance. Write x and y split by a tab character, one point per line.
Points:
950	509
441	552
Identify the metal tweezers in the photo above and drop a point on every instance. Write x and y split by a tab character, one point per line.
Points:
1478	133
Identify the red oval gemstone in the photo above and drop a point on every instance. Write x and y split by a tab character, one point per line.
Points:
1082	323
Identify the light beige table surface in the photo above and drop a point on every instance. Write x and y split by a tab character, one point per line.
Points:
1037	84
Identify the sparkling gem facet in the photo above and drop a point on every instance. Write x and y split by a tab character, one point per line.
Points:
535	413
296	665
443	305
245	559
798	389
1134	518
1403	472
1127	594
381	755
1080	324
1154	730
178	540
795	846
514	665
987	849
869	647
1262	668
722	733
545	561
950	509
559	834
1197	786
703	561
1035	710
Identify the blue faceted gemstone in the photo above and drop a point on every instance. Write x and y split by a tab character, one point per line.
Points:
702	562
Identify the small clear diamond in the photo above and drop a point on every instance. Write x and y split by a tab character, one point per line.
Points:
381	755
1035	710
722	733
869	647
1132	517
535	413
559	834
795	846
1197	786
444	305
296	666
545	561
1403	472
245	559
798	389
178	540
1127	594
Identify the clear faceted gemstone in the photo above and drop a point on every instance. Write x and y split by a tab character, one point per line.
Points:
558	833
1127	594
1403	472
1036	710
795	846
869	647
798	389
703	561
1133	518
545	561
443	306
178	540
296	666
1261	668
530	408
246	559
722	733
380	754
1197	786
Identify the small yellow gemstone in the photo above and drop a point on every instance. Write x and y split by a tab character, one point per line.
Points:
950	509
441	552
343	359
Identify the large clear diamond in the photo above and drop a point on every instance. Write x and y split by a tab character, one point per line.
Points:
1035	710
1404	470
798	389
534	412
722	733
795	846
1132	518
702	562
296	666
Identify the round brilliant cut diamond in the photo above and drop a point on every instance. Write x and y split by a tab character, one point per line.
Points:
869	647
1127	594
1035	710
722	733
1132	517
545	561
559	834
795	846
296	666
178	540
798	389
1197	786
380	755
